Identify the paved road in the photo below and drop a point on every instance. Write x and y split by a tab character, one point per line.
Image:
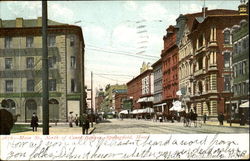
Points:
133	126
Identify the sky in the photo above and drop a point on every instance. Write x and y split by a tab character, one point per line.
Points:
119	35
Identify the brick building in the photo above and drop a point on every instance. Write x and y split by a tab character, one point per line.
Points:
208	50
21	68
140	88
186	57
120	99
170	60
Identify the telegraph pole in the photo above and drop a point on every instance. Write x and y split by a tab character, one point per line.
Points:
91	99
45	93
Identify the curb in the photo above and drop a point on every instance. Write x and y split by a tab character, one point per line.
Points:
244	127
91	131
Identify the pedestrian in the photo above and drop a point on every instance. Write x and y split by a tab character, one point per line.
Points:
86	125
71	119
242	119
221	118
204	118
34	122
76	120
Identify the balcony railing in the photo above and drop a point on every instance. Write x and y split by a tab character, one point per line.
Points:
200	50
212	67
199	72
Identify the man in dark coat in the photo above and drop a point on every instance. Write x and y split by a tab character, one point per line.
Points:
34	122
221	118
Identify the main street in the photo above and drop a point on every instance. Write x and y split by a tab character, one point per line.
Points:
133	126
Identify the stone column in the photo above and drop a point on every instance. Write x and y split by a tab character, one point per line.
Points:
205	108
213	107
198	108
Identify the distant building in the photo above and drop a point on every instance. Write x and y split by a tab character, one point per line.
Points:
120	102
141	88
21	68
99	99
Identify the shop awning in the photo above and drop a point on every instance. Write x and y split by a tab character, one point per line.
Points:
245	105
124	112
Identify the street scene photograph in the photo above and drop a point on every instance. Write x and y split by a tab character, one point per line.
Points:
124	67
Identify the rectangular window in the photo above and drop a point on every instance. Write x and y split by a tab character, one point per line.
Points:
52	41
227	37
30	62
9	85
226	59
52	85
8	63
241	68
73	85
72	40
7	42
226	82
72	61
30	85
29	41
52	62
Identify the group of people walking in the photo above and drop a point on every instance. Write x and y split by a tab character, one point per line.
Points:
82	120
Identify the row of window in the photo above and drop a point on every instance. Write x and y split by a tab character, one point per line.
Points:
31	85
30	62
241	88
30	41
9	86
241	46
240	68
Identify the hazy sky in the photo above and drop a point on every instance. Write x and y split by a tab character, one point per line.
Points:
119	35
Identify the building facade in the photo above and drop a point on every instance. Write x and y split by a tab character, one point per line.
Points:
157	70
240	66
21	68
207	37
170	61
140	88
120	102
186	57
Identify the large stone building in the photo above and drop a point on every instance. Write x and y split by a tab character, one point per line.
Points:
21	68
170	68
208	50
186	57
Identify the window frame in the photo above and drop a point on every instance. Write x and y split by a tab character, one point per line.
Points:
30	86
7	65
6	85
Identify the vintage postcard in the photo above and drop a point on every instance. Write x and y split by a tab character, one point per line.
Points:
124	80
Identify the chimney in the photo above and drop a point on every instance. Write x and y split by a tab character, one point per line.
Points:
39	22
204	11
19	22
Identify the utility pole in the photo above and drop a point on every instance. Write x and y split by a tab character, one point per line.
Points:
91	99
45	93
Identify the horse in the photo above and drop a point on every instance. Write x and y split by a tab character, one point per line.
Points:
7	121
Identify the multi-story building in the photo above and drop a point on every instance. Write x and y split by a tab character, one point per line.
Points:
208	50
21	68
140	88
120	99
186	57
99	99
170	68
240	64
108	104
157	70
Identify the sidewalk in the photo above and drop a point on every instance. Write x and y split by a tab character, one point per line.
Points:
225	124
60	129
